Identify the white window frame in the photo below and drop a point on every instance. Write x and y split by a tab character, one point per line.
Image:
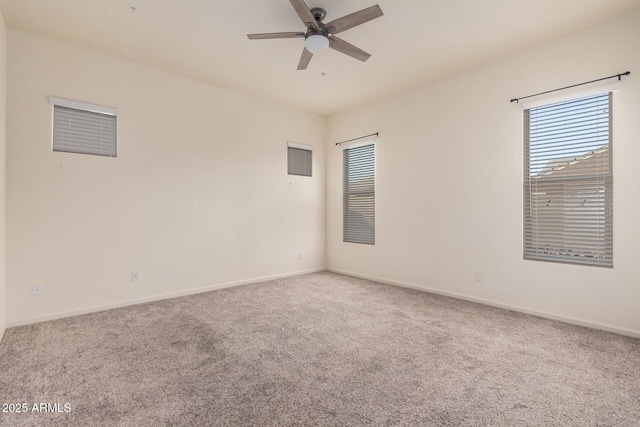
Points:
84	107
297	146
569	240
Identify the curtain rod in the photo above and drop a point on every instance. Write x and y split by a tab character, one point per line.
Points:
355	139
619	76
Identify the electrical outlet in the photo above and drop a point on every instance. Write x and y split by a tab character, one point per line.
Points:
299	256
135	276
478	276
36	290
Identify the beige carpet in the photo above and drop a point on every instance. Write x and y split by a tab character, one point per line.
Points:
319	349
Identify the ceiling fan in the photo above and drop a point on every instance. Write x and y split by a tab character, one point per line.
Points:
320	36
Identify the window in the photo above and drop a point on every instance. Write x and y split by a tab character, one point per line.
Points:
568	182
299	159
83	128
359	194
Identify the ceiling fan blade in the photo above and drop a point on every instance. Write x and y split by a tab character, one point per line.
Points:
305	59
348	49
349	21
275	36
304	13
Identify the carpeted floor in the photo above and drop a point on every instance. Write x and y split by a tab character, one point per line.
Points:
319	349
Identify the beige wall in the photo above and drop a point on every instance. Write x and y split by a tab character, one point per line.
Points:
449	184
198	196
3	121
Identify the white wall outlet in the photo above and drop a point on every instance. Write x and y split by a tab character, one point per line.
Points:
36	290
299	256
478	276
135	276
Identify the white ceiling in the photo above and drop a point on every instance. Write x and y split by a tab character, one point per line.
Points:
415	41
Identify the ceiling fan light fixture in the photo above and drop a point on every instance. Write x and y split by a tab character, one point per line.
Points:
316	43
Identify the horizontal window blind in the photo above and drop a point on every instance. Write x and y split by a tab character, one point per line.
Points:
568	182
299	161
359	194
83	132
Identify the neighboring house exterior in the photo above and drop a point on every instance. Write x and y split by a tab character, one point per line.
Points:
564	196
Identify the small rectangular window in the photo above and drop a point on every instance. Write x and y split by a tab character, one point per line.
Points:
359	194
568	182
299	159
83	128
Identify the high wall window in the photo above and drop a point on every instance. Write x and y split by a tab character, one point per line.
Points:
568	182
299	159
359	194
83	128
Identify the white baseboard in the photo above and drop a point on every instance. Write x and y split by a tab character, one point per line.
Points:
538	313
103	307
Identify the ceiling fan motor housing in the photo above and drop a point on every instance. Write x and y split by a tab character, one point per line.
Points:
318	13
